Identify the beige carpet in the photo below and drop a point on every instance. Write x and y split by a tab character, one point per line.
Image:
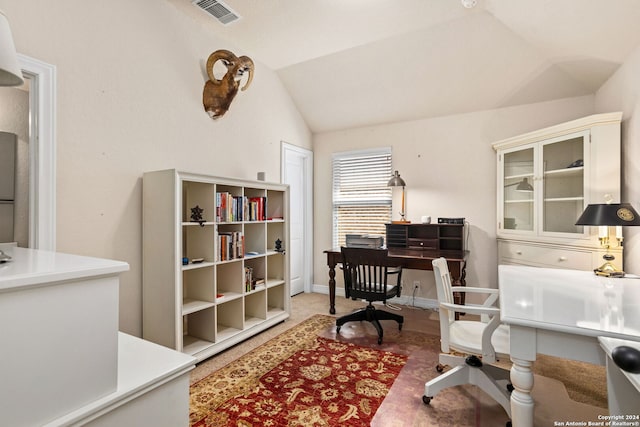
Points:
460	406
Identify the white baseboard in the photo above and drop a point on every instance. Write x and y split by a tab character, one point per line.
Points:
426	303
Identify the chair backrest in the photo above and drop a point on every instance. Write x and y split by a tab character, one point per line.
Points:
490	321
443	282
366	273
445	294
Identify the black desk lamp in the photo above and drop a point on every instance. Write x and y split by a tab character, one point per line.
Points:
606	215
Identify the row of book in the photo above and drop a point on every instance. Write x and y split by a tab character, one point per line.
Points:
230	208
230	245
250	282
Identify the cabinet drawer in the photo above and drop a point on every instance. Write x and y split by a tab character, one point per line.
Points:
413	243
541	256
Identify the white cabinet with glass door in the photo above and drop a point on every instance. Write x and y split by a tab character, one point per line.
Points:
545	180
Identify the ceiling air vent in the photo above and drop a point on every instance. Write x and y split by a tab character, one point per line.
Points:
218	10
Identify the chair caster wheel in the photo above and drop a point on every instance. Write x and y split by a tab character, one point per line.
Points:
338	329
473	361
379	341
510	387
440	368
426	399
508	423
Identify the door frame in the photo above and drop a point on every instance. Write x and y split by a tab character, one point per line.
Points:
42	152
308	205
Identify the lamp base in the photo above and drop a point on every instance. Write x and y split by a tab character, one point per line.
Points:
608	269
599	272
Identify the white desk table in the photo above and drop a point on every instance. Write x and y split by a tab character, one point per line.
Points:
561	313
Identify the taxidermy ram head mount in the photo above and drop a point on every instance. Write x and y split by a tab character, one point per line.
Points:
218	94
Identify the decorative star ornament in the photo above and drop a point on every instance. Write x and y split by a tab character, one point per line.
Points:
196	214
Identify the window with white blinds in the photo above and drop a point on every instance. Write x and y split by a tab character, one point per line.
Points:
361	198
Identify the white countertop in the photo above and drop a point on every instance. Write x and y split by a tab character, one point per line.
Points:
572	301
142	366
32	267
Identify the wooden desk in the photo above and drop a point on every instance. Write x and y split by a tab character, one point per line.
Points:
417	259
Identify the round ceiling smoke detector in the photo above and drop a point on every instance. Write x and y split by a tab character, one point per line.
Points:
469	3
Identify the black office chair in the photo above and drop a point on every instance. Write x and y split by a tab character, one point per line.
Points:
366	276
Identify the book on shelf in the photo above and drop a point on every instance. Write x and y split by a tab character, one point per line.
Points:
257	209
230	208
230	245
258	284
226	207
219	297
237	208
248	278
221	206
252	283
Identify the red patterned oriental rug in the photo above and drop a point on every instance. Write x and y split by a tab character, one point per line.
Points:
297	379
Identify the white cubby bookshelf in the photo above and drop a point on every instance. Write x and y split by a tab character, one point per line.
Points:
205	307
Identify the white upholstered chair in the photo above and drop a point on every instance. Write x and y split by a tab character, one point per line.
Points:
477	343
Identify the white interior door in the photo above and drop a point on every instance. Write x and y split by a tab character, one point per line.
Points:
297	172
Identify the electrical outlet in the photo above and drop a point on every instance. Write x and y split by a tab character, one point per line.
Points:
416	284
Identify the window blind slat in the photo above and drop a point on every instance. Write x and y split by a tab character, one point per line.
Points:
361	198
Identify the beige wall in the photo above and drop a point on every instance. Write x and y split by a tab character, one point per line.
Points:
622	93
450	170
129	100
130	78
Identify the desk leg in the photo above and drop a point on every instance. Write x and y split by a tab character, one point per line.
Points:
521	400
523	349
458	276
332	289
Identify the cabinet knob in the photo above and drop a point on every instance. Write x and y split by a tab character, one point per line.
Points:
562	258
518	252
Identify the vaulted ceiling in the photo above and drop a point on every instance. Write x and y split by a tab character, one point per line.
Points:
352	63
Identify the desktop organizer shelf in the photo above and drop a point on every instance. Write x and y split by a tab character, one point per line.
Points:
441	237
211	282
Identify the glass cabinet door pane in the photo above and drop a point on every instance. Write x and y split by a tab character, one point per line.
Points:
563	189
518	204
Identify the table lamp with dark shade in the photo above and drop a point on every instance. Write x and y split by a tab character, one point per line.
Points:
609	215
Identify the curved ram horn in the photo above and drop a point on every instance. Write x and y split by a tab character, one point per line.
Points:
221	54
246	66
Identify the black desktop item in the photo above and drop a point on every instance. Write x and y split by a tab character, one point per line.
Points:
450	220
627	358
